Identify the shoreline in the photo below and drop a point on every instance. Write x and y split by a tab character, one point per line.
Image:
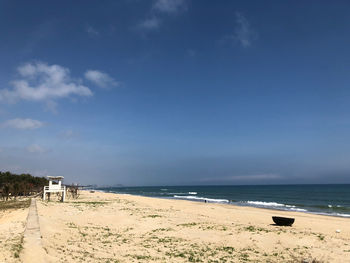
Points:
346	216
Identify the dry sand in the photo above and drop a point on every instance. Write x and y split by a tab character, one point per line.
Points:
12	225
104	227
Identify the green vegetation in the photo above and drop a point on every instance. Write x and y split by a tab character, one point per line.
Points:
92	204
229	250
311	261
153	216
17	248
256	229
141	257
14	204
13	185
89	202
188	224
320	236
72	225
162	229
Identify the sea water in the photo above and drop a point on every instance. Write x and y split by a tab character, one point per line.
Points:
319	199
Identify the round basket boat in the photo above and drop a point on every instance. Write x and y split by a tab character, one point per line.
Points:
283	221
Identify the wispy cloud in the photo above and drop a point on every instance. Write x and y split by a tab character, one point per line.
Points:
150	23
170	6
101	79
34	148
243	34
68	134
92	32
39	33
160	9
42	82
22	124
51	106
191	52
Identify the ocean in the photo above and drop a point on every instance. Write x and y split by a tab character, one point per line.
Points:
331	200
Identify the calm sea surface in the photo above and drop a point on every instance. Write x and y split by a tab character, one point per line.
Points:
320	199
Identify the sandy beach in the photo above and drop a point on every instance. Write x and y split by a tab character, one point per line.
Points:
105	227
102	227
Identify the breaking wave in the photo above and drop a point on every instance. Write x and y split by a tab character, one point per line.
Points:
196	198
275	205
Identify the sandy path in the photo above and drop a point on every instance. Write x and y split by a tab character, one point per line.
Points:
101	227
33	251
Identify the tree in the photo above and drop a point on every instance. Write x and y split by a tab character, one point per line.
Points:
20	185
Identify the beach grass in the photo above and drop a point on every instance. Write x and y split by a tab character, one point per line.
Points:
15	204
17	246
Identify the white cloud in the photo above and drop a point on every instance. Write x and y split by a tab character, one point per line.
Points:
23	124
150	23
42	82
34	148
101	79
169	6
27	70
243	34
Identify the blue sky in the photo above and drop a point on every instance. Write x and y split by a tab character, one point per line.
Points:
174	92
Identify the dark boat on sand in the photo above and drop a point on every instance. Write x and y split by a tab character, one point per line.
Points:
283	221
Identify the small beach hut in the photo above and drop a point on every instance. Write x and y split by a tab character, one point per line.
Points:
55	186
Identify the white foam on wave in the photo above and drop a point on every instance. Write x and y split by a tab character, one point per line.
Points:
292	206
261	203
333	214
276	205
192	193
342	215
210	200
298	209
338	206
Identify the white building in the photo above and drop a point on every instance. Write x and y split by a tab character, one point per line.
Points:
55	186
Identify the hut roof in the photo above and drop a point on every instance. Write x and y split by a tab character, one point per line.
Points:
55	177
